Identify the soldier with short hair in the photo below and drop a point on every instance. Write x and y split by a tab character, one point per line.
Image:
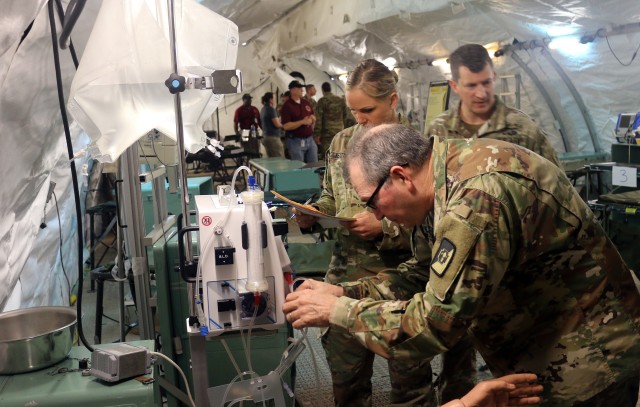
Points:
331	115
519	263
480	113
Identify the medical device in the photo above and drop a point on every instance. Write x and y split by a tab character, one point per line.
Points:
240	277
120	361
626	127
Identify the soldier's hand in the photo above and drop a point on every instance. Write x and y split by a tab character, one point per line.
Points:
365	225
320	287
512	390
309	308
304	220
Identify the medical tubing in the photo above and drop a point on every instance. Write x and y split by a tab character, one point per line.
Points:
247	349
184	378
235	174
235	379
199	306
74	174
230	354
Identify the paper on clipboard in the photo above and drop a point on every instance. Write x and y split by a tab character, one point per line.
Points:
326	221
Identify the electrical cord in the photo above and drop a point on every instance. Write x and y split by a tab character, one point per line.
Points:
635	53
184	378
74	175
61	16
64	271
153	146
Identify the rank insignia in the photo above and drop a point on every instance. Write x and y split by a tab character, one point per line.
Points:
443	257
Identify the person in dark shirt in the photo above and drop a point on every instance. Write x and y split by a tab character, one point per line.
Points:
246	115
298	119
271	126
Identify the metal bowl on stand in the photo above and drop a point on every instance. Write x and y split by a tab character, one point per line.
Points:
34	338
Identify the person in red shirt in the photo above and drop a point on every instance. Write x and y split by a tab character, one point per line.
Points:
246	115
297	119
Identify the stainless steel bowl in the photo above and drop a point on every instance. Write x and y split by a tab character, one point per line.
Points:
34	338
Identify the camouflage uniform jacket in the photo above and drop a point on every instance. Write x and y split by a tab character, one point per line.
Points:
505	123
519	263
331	113
354	255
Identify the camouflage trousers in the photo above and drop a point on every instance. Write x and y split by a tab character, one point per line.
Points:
323	147
458	375
351	366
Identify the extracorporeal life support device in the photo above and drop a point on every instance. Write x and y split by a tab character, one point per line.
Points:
241	263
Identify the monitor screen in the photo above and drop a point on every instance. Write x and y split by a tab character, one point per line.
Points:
625	120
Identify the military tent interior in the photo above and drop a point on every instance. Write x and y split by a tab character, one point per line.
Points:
571	65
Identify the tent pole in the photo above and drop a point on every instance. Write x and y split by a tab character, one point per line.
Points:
545	96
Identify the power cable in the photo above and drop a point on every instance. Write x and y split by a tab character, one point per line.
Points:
606	37
60	245
61	16
74	175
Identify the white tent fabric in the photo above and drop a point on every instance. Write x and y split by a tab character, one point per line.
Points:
321	39
118	94
33	156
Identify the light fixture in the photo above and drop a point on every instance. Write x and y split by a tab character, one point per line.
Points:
244	44
585	39
492	47
440	62
390	62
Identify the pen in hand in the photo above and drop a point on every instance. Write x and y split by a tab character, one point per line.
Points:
307	202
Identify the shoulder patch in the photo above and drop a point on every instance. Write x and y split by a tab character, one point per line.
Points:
443	257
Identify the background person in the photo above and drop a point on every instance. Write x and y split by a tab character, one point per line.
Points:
331	113
519	263
297	120
271	127
480	113
246	115
310	92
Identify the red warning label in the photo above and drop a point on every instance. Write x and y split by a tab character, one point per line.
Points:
206	221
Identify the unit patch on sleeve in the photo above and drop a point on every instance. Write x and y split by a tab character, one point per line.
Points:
443	257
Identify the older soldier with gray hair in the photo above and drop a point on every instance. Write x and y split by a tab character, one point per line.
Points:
519	263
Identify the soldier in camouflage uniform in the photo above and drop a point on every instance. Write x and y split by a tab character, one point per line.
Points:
519	263
331	114
480	113
365	247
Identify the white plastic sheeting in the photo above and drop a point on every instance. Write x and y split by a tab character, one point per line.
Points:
118	93
33	154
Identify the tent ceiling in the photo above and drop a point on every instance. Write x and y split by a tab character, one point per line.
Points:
412	30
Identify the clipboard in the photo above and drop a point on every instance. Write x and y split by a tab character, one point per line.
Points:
327	221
